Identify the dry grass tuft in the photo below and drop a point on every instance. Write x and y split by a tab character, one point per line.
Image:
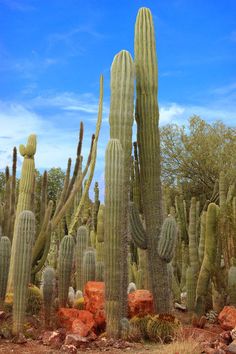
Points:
187	346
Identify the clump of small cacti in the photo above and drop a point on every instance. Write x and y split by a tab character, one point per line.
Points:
66	254
141	323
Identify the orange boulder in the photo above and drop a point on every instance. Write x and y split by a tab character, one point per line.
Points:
76	321
227	318
140	302
94	301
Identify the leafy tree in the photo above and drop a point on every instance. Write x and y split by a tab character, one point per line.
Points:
55	183
194	156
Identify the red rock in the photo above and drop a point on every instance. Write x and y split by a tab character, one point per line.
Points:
67	316
87	323
140	302
77	321
227	318
94	301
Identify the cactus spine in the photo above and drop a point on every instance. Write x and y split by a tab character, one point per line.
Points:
48	293
25	195
5	254
24	243
81	245
114	216
66	254
147	118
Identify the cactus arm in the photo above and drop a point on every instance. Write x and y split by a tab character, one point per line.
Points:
93	161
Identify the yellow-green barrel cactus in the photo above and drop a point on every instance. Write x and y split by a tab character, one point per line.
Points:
22	270
121	122
232	283
114	217
65	263
24	202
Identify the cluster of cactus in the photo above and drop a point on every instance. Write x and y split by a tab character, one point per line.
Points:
163	328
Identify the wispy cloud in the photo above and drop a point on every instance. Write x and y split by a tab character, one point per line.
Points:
69	39
18	5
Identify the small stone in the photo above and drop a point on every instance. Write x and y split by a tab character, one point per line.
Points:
180	307
19	339
75	339
231	349
2	315
68	349
52	338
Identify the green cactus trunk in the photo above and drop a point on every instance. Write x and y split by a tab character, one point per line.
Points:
114	218
147	117
24	197
121	122
49	282
81	245
5	254
66	254
209	260
23	259
89	265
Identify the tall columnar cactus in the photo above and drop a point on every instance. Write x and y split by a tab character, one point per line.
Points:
24	197
121	122
66	255
49	282
100	223
191	284
114	217
210	257
89	265
100	271
192	231
147	118
201	246
5	254
232	283
95	206
81	245
23	258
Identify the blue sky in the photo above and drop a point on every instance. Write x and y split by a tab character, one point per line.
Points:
53	52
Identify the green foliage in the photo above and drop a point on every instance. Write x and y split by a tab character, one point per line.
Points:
55	183
189	154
